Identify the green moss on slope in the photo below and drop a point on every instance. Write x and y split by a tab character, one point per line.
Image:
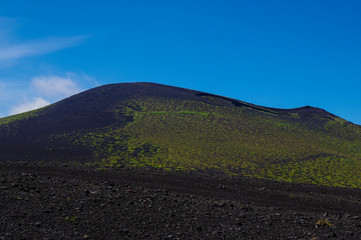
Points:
176	134
21	116
10	124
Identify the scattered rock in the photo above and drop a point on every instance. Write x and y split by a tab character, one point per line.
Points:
59	205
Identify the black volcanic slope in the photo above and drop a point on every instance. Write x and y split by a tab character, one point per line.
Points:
175	129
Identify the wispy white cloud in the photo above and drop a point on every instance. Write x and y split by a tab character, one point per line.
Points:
37	47
55	86
13	49
35	103
44	90
19	95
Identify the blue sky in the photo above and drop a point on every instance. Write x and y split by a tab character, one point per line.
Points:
283	54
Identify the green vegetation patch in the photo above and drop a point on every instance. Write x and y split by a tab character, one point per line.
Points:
205	114
21	116
187	135
9	125
327	170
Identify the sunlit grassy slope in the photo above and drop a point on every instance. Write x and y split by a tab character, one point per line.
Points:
214	134
192	135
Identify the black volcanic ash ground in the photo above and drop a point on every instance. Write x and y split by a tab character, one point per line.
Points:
46	201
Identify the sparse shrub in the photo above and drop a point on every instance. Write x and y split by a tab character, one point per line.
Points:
71	219
324	222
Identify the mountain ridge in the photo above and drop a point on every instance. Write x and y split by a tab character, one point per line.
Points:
176	129
196	93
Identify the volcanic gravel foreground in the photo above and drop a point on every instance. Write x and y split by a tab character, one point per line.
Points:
64	201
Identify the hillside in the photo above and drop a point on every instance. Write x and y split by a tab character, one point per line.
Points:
175	129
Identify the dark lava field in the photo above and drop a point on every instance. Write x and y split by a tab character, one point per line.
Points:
64	201
150	161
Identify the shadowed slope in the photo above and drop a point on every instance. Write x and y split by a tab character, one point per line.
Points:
147	124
